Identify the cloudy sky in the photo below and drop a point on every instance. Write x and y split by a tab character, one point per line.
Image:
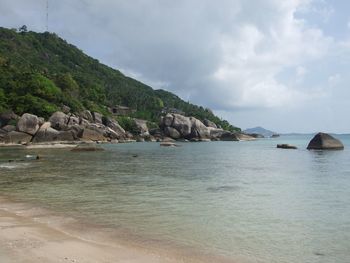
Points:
280	64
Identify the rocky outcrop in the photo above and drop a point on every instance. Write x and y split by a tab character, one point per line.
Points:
17	137
178	126
324	141
229	136
209	123
28	123
245	137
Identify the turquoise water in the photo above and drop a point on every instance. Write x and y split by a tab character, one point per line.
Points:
237	199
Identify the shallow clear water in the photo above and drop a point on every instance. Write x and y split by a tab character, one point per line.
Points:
238	199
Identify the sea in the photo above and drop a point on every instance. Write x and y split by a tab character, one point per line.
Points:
241	200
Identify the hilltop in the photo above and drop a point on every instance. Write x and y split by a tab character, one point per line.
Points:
41	73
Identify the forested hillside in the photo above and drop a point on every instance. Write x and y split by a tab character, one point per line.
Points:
41	72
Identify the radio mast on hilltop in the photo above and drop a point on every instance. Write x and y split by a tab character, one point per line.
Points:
47	15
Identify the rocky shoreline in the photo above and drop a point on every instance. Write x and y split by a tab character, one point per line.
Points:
69	128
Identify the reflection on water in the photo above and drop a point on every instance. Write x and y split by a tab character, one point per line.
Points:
235	199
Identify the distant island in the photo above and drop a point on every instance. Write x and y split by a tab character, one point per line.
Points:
261	131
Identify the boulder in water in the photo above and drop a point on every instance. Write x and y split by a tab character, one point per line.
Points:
286	146
324	141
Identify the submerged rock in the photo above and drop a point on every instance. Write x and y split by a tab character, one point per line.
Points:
324	141
87	148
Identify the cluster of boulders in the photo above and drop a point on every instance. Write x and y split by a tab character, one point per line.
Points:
179	127
92	126
85	126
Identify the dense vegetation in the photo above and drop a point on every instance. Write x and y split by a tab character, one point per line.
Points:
40	72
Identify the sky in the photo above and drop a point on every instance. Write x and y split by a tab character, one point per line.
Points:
283	65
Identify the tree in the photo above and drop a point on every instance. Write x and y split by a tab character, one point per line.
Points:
23	29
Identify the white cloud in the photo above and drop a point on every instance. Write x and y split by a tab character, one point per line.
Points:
226	56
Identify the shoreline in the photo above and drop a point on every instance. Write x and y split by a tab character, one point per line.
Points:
29	233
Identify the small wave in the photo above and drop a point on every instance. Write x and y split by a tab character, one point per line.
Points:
13	165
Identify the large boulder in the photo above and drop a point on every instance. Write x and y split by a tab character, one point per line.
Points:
59	120
28	123
324	141
172	132
47	134
198	129
141	126
93	135
182	124
17	137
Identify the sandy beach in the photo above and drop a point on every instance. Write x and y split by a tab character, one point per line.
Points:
29	234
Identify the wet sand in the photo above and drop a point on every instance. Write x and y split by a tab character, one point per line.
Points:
31	234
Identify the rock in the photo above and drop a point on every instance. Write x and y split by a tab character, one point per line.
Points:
114	125
8	128
141	126
28	123
73	120
245	137
168	144
140	139
168	139
65	109
172	132
87	148
324	141
86	115
275	135
198	129
6	117
41	121
256	135
167	120
229	136
92	135
97	117
215	134
59	120
182	124
286	146
17	137
47	134
209	123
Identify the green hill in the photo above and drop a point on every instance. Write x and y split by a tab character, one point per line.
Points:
41	72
